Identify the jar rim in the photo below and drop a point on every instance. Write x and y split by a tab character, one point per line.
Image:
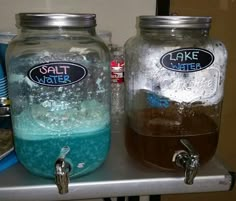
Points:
50	20
186	22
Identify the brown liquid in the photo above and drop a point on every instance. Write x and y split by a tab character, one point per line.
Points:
153	138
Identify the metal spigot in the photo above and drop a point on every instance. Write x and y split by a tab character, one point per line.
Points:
189	160
62	170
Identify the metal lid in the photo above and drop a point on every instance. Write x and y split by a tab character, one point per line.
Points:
37	20
186	22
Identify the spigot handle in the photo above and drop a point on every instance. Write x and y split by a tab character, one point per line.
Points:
189	147
62	175
193	161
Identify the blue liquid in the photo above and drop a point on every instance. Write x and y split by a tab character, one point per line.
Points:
87	152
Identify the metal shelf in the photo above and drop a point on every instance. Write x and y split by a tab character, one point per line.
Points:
118	176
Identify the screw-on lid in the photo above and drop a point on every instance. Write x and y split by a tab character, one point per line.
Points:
186	22
37	20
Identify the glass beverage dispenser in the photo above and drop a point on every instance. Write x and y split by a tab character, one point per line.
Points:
174	90
59	87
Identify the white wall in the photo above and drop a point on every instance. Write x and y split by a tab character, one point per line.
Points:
118	16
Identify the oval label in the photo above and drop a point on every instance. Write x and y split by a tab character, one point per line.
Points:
187	60
55	74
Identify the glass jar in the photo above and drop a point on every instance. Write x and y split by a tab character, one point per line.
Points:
59	87
174	90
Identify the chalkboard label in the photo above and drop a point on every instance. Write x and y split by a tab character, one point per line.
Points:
55	74
187	60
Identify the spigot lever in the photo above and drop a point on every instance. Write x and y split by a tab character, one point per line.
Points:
189	160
